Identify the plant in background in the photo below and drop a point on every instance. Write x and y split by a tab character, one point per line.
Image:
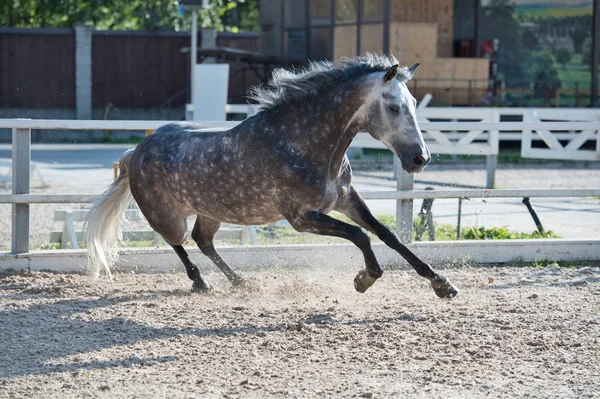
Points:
149	15
501	233
563	56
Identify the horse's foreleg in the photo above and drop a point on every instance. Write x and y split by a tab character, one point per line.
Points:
353	206
203	234
192	270
319	223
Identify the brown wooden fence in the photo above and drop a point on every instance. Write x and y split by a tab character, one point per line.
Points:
129	69
37	68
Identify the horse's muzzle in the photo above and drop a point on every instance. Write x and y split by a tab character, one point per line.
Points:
415	162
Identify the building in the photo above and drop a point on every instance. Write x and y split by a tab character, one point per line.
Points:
467	48
414	31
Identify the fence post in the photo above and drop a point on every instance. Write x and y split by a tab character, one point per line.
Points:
83	71
21	180
491	165
492	159
404	207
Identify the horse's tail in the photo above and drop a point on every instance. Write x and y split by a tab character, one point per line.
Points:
103	223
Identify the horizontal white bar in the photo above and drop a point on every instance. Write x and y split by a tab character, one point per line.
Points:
516	126
470	149
482	193
69	124
151	260
46	199
415	194
543	153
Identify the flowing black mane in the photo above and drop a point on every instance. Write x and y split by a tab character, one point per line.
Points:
288	86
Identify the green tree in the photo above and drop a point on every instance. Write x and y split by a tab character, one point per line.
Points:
543	72
562	55
500	23
586	55
120	15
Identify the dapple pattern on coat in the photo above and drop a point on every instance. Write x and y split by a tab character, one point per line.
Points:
286	162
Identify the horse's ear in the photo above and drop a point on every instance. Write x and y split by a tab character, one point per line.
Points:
413	68
391	73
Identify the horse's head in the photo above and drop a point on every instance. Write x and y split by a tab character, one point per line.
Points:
391	118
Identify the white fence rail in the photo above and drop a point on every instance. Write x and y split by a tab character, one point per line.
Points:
21	167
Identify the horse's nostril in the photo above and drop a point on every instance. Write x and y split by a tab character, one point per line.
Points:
419	160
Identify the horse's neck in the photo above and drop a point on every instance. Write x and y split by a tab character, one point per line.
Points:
324	131
324	136
350	122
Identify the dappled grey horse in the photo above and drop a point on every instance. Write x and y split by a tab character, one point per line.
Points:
286	162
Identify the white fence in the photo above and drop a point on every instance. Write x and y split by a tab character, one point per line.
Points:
486	251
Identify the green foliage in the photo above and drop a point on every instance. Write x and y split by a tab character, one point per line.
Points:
532	13
500	23
542	70
562	55
501	233
123	15
586	54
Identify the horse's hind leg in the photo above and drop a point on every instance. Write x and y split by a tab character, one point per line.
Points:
353	206
203	233
173	228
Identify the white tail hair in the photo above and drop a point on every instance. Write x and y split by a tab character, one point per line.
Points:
103	223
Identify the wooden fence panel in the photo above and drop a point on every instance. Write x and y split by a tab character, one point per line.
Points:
129	69
138	70
37	68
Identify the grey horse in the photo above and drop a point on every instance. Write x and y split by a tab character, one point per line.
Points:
286	162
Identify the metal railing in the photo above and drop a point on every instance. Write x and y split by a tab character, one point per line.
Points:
21	198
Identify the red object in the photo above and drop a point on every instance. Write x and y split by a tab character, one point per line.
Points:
486	47
465	48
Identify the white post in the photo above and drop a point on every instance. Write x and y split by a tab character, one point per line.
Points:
83	72
21	182
209	41
404	208
193	57
492	159
491	166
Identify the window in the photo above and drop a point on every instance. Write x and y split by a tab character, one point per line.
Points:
320	12
320	44
294	14
371	38
372	11
295	43
345	11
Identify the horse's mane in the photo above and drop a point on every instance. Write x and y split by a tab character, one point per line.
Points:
288	86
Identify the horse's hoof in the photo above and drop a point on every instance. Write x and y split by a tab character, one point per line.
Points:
201	286
443	287
239	282
363	281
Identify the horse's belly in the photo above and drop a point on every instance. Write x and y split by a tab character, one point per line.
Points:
237	212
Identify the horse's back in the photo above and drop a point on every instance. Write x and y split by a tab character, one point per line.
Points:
175	128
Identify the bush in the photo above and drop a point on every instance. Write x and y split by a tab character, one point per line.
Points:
501	233
563	55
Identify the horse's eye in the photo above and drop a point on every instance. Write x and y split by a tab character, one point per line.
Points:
395	108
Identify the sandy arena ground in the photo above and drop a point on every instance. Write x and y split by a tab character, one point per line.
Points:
512	332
